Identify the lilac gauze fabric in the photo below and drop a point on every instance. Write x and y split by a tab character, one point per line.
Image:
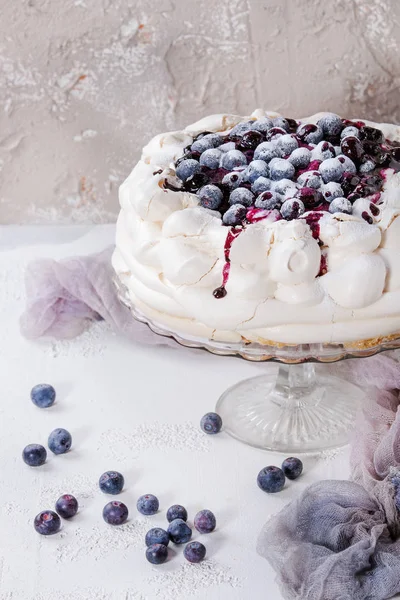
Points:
64	297
340	539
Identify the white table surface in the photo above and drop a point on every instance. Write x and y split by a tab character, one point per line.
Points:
134	409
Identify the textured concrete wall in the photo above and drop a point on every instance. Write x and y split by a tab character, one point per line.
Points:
83	83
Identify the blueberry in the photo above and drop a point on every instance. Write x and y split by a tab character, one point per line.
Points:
309	133
157	536
34	455
241	128
211	423
367	166
111	482
232	159
371	134
59	441
195	182
331	124
353	148
331	170
281	122
292	209
353	131
67	506
275	133
332	190
300	158
324	150
211	158
340	205
256	169
310	179
227	146
283	185
292	467
148	504
309	196
241	196
115	513
176	511
187	168
261	184
205	521
268	201
286	144
235	215
280	168
266	151
194	552
271	479
47	522
251	139
210	140
210	197
179	531
157	554
264	124
233	180
347	163
43	395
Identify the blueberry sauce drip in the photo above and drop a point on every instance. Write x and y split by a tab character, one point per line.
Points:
233	233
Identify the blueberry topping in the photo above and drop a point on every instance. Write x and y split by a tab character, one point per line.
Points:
157	554
332	190
283	185
309	196
347	163
156	536
211	158
241	196
281	168
232	180
111	482
227	146
374	209
324	150
271	479
115	513
211	423
256	169
201	135
331	124
309	133
342	205
261	185
205	521
263	125
353	148
210	197
194	552
371	134
395	152
310	179
367	166
286	144
292	467
59	441
300	158
268	201
67	506
235	215
43	395
232	159
367	217
241	128
331	170
251	139
195	182
292	209
47	522
187	168
148	504
176	511
350	131
179	531
282	123
266	151
274	133
34	455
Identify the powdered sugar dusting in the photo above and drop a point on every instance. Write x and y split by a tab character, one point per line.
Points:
78	485
92	342
75	594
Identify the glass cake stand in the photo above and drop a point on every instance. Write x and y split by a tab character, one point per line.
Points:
295	408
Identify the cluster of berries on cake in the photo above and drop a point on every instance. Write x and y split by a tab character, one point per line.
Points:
286	168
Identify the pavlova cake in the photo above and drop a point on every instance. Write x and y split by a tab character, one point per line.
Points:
266	229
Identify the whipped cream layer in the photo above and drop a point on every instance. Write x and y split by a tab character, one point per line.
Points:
170	257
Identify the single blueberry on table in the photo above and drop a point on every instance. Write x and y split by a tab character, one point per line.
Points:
262	184
34	455
205	521
331	124
157	536
210	197
148	504
59	441
157	554
266	151
340	205
241	196
115	513
43	395
235	215
232	159
187	168
179	531
211	158
280	168
292	467
47	522
67	506
233	180
176	511
194	552
111	482
271	479
211	423
257	168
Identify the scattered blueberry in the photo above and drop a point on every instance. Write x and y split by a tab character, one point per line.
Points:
43	395
331	170
347	163
256	169
210	197
179	531
264	124
271	479
331	124
286	144
176	511
111	482
194	552
67	506
292	209
266	151
310	179
115	513
157	554
340	205
300	158
34	455
241	196
281	122
211	423
187	168
157	536
235	215
292	467
261	184
309	133
148	504
232	159
205	521
59	441
280	168
268	200
47	522
332	190
251	139
211	158
353	131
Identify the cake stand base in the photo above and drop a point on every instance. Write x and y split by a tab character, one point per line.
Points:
293	410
